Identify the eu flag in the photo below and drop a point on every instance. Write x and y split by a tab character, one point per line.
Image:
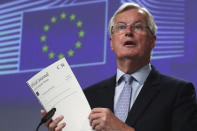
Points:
75	32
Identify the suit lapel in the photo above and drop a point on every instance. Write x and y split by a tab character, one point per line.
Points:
146	95
107	93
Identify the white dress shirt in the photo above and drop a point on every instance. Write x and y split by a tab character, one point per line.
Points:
139	76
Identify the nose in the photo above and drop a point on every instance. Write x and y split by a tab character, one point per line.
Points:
129	31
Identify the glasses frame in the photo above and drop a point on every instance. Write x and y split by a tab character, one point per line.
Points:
131	26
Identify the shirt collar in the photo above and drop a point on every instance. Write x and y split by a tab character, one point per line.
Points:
140	75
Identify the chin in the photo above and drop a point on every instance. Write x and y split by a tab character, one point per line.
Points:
128	56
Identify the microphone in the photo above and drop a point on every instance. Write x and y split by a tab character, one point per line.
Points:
46	117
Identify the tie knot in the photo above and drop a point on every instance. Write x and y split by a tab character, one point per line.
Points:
127	78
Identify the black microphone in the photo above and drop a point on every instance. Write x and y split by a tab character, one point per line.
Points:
46	117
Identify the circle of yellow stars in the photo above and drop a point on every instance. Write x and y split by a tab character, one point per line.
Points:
46	28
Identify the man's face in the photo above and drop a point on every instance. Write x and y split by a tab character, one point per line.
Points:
130	43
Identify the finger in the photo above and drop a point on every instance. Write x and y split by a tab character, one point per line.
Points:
60	127
94	116
98	128
54	123
100	110
97	110
95	123
43	113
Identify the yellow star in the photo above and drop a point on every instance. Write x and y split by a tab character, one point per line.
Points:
72	17
53	19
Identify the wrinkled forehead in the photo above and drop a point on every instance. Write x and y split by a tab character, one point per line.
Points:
131	15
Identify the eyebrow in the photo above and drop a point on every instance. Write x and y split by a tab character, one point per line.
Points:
138	21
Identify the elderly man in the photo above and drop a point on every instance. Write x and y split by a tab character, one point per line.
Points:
138	97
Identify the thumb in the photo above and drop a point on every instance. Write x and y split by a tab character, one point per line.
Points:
43	112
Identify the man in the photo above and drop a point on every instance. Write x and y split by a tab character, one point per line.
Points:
156	102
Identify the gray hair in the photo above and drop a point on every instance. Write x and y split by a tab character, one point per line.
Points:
131	5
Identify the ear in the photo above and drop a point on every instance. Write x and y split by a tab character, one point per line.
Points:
111	43
154	38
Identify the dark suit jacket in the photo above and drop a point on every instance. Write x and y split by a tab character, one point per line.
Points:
164	103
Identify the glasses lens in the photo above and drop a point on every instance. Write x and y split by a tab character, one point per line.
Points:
136	27
121	27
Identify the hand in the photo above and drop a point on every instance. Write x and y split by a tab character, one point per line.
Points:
102	119
53	124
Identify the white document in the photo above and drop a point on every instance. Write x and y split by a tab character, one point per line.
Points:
56	86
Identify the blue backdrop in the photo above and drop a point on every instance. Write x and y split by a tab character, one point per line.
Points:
34	34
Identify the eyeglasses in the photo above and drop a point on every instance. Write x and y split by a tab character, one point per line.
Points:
136	27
